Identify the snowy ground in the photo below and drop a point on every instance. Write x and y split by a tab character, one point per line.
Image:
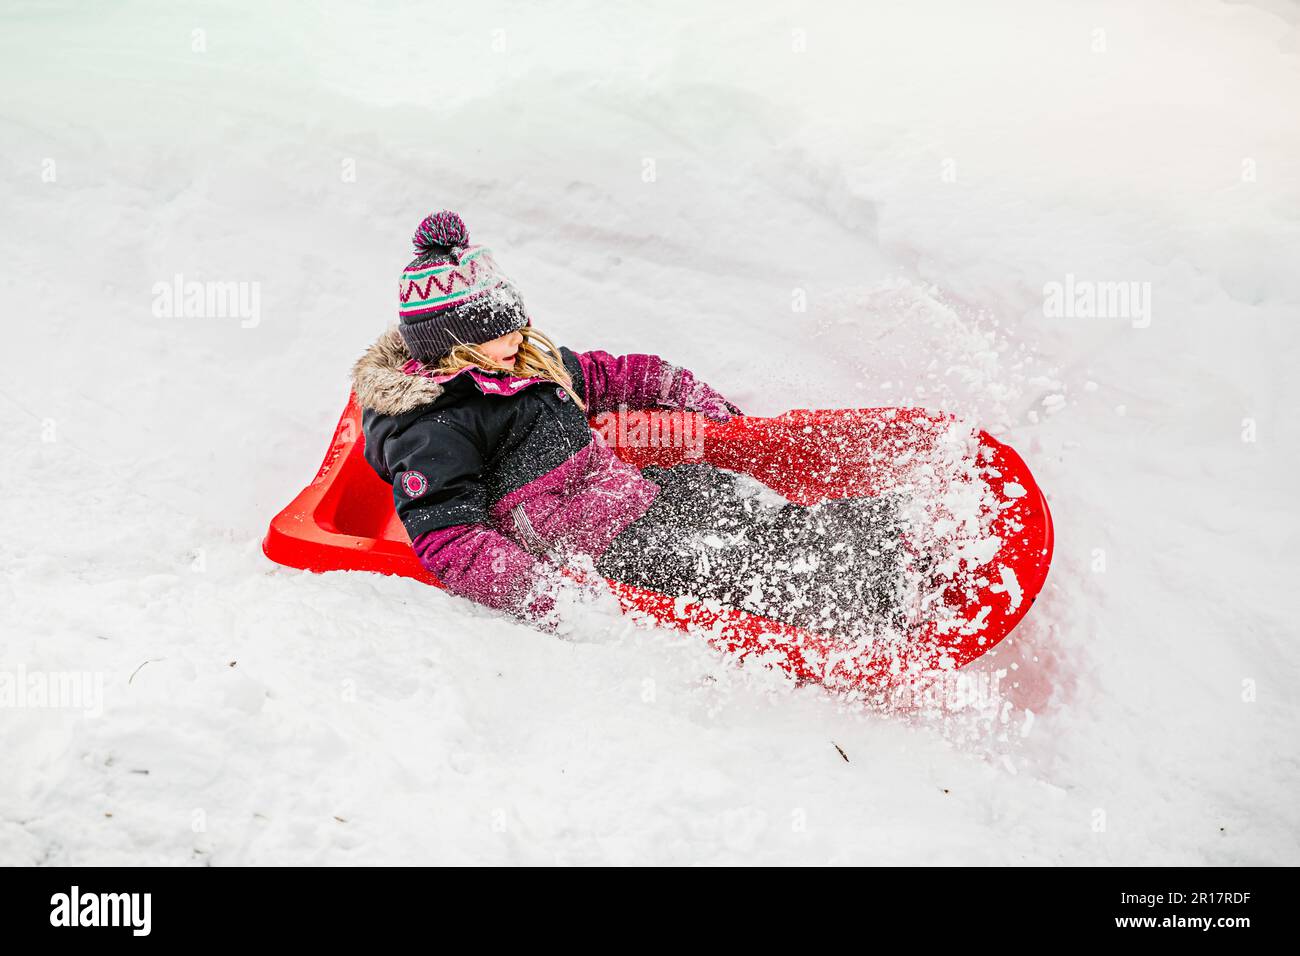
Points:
921	171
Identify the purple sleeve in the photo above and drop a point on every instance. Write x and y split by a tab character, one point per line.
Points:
637	381
475	562
646	381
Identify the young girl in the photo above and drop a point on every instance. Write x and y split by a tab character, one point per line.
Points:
480	422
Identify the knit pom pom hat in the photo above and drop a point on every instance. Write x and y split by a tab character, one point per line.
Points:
454	292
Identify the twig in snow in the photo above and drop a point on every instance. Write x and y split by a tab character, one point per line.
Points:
151	660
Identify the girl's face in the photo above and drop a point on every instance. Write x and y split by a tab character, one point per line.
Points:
504	349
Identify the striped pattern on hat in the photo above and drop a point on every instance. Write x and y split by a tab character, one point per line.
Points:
432	286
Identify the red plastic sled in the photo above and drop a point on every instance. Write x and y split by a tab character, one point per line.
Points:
344	520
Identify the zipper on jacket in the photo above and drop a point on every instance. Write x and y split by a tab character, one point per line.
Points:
569	488
534	541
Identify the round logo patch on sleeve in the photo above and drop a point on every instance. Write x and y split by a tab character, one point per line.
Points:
414	484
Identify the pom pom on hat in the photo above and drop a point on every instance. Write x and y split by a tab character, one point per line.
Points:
441	230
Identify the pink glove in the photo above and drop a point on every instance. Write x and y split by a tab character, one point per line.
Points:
687	392
559	597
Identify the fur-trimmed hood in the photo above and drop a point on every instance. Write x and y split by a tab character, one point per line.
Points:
382	386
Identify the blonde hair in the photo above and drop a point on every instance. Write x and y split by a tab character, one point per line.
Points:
537	357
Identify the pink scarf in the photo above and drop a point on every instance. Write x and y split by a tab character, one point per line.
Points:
488	382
